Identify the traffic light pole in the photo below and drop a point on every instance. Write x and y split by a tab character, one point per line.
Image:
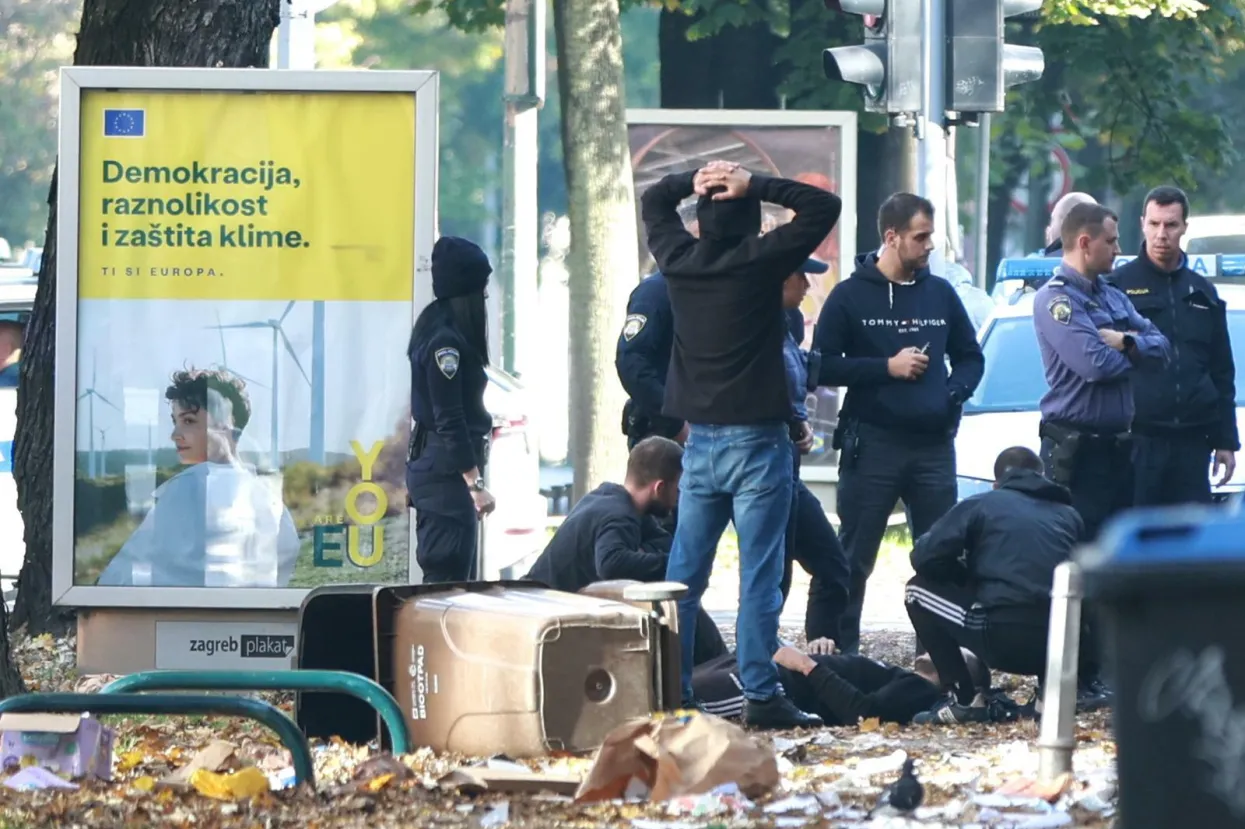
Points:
931	126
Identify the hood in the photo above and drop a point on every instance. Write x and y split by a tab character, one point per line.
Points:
728	220
867	269
1034	485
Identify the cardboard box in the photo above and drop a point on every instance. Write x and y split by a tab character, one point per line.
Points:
75	745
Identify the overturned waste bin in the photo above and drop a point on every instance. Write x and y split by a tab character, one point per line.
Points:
1168	588
484	668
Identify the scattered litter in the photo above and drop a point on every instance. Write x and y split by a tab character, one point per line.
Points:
37	777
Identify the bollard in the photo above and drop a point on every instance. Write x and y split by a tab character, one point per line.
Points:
1057	737
337	682
181	704
657	594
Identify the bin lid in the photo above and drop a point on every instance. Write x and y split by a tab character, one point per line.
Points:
1169	536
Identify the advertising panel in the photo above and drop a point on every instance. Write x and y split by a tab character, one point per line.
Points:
817	148
242	277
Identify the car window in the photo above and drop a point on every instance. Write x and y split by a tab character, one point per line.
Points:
1014	380
1230	244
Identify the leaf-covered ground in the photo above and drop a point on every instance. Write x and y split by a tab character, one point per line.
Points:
831	777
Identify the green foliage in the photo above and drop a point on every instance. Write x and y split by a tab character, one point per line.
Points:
37	40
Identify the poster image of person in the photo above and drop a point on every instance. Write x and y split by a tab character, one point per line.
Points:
215	523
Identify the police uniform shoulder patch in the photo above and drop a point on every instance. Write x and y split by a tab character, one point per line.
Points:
1060	309
634	325
1055	282
447	361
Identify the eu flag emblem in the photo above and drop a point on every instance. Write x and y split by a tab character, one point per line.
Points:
125	123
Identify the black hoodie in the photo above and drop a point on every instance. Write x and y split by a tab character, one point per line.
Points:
868	319
1005	543
725	290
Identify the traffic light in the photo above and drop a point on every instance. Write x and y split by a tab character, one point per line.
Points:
888	63
981	65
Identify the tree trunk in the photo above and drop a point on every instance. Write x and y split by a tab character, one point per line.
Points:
603	259
735	68
207	33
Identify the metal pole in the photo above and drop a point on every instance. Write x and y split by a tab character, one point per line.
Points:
1057	738
283	35
931	125
981	227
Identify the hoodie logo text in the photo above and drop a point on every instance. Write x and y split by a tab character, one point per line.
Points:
905	326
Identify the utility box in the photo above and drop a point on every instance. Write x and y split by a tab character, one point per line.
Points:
1168	589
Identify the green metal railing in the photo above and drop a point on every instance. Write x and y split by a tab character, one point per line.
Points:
337	682
174	704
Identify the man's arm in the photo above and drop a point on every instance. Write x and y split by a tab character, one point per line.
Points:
785	248
967	361
667	238
618	553
937	554
1223	375
837	369
1150	345
1072	335
653	538
642	360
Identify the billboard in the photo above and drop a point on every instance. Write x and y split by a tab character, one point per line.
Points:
241	256
818	148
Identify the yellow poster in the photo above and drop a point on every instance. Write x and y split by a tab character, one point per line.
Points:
246	196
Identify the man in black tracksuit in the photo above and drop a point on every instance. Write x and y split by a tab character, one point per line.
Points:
842	690
1185	412
983	581
612	534
886	334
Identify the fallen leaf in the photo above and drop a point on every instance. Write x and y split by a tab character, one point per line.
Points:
145	783
248	782
130	759
378	783
871	724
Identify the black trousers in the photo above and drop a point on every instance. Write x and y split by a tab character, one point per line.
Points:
446	546
813	543
884	468
709	643
1171	468
1102	479
1009	639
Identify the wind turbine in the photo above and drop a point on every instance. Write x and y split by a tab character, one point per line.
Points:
103	451
278	338
91	394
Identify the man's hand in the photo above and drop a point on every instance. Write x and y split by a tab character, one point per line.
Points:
795	660
731	178
1114	339
908	364
805	443
821	647
1225	459
483	501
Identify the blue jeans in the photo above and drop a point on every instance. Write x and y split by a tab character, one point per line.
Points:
741	473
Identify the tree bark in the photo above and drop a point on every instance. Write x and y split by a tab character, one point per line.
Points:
206	33
603	259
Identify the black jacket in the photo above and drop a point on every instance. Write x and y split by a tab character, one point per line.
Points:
868	319
726	292
1006	543
1197	389
642	357
841	689
603	538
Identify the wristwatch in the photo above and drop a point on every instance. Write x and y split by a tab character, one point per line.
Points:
1129	342
477	485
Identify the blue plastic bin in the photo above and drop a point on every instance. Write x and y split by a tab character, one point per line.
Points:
1168	589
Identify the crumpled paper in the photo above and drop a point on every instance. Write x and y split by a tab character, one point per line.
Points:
670	757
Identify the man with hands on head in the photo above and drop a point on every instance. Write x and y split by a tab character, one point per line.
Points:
727	381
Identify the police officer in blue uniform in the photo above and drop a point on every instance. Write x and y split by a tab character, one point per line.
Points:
448	447
1186	414
642	360
1092	339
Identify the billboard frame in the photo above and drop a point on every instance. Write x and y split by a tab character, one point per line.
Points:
423	85
846	121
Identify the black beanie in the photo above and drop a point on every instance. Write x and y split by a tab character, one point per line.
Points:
459	267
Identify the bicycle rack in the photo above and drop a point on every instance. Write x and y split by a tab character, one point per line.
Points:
184	704
337	682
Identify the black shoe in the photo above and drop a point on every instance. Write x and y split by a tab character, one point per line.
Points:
1092	696
951	712
778	714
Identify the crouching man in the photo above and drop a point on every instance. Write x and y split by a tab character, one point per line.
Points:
983	582
612	533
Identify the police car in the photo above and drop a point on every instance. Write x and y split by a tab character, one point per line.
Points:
17	297
1004	410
